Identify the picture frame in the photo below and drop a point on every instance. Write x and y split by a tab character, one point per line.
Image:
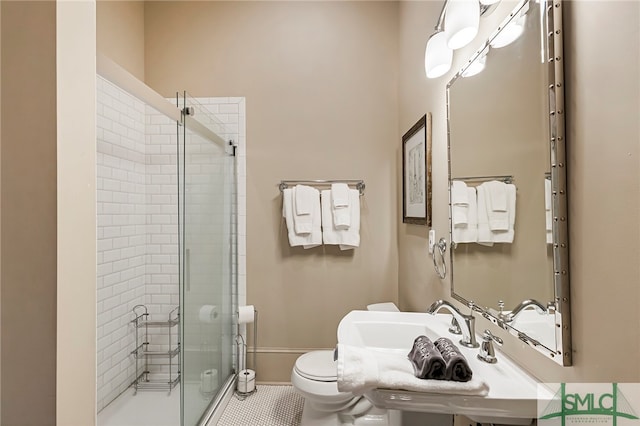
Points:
416	173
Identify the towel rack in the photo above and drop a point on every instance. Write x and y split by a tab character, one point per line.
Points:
359	184
503	178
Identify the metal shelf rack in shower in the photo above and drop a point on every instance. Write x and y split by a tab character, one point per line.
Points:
146	358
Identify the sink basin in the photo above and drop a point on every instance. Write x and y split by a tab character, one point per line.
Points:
513	393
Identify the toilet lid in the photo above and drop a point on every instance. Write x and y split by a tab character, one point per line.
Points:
317	365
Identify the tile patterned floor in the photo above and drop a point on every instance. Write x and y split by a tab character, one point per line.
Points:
268	406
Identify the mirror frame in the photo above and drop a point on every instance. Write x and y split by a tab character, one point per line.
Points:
553	31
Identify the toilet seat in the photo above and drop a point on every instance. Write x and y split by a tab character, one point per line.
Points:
318	366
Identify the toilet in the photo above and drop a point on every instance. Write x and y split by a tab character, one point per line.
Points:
314	376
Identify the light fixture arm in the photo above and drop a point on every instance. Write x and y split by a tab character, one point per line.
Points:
440	24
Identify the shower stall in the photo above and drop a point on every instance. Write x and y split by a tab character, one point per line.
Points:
167	284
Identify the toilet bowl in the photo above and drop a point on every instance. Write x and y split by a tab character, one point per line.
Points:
314	376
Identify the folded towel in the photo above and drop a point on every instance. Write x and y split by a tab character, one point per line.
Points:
459	193
459	204
304	198
457	367
498	217
484	232
340	205
346	238
468	233
506	236
426	359
309	240
497	195
340	193
361	369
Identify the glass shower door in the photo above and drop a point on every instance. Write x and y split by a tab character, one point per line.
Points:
206	193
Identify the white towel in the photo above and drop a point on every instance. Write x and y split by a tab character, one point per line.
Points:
484	232
468	233
340	205
459	204
498	215
311	239
346	238
548	217
498	194
459	193
340	192
304	197
507	235
361	369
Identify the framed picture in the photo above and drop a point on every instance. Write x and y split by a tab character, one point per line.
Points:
416	173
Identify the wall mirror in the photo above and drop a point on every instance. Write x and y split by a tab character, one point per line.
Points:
507	177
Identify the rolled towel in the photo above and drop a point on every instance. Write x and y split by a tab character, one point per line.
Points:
361	369
457	367
426	360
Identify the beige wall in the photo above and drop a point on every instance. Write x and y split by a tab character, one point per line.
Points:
602	104
28	193
320	83
120	33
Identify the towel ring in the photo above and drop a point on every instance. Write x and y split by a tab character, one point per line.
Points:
439	249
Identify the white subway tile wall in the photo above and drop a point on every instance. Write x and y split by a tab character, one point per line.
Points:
138	223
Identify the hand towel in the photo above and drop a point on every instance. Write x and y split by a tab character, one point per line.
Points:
498	215
340	192
457	367
340	205
459	193
507	236
469	232
346	238
303	198
498	195
459	203
426	359
361	369
309	240
484	232
548	217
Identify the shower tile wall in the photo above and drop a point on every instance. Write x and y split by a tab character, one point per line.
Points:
121	229
137	223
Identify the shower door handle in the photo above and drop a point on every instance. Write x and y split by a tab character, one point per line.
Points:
187	269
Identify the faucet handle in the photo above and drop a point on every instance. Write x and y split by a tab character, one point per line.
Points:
487	354
501	306
488	336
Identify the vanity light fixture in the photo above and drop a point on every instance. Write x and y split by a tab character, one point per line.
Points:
477	64
437	56
512	31
461	22
457	26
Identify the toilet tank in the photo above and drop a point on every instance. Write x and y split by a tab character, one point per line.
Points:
384	306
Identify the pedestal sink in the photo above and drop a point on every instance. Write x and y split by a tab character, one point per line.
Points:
513	393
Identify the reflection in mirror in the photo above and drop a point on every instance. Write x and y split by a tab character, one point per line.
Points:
507	180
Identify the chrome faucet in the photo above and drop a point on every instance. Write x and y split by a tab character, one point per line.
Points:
487	353
509	317
465	322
